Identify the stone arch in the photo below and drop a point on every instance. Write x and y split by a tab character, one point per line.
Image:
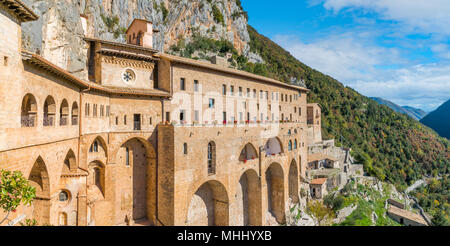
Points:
70	163
136	157
247	207
74	113
209	205
28	111
98	145
96	178
273	146
293	182
275	192
64	113
248	152
49	111
40	180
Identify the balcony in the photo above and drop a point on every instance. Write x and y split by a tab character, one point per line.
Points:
74	121
63	121
48	121
28	121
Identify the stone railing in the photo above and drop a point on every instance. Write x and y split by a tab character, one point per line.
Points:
48	121
28	121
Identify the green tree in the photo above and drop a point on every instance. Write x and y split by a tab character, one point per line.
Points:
320	212
14	190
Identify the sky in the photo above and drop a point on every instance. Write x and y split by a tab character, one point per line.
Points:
395	49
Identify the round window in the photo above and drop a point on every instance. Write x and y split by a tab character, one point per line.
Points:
128	76
63	196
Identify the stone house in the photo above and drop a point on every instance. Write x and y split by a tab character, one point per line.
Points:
319	161
318	188
406	217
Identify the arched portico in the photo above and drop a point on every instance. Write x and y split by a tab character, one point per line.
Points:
209	206
247	207
275	192
293	182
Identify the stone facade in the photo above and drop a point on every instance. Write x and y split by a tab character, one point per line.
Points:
150	138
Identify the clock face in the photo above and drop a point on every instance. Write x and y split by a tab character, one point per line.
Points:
128	76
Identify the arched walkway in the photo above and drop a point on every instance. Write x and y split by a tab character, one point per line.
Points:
28	111
134	158
273	146
247	209
275	191
39	179
293	182
248	153
209	206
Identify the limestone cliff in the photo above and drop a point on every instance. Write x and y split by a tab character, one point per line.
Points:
58	34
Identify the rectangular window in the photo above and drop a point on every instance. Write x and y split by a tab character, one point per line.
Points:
168	116
267	95
182	84
290	98
117	121
137	122
94	110
196	116
254	93
150	121
248	92
86	109
108	111
225	117
182	115
224	89
102	111
127	156
299	111
282	97
211	103
240	91
196	85
240	116
125	120
232	90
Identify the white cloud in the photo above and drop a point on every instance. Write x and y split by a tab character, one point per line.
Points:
421	86
430	16
356	63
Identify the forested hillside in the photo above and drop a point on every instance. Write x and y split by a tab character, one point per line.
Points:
392	146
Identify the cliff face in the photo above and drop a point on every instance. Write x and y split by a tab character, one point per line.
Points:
58	34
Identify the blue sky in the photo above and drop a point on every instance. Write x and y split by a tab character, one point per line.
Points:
395	49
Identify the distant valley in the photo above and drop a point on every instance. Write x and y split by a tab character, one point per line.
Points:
412	112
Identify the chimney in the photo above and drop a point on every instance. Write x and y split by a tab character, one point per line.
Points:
140	33
218	60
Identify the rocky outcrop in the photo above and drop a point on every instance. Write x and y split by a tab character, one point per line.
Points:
58	34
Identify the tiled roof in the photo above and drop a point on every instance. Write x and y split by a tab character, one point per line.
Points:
319	157
407	214
44	64
215	67
319	181
20	9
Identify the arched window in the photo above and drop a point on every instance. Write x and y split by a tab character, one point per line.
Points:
62	219
49	111
63	113
290	145
74	114
211	158
94	147
29	111
295	144
248	153
273	147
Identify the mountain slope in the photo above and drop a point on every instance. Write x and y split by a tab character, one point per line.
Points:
439	120
391	146
414	113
